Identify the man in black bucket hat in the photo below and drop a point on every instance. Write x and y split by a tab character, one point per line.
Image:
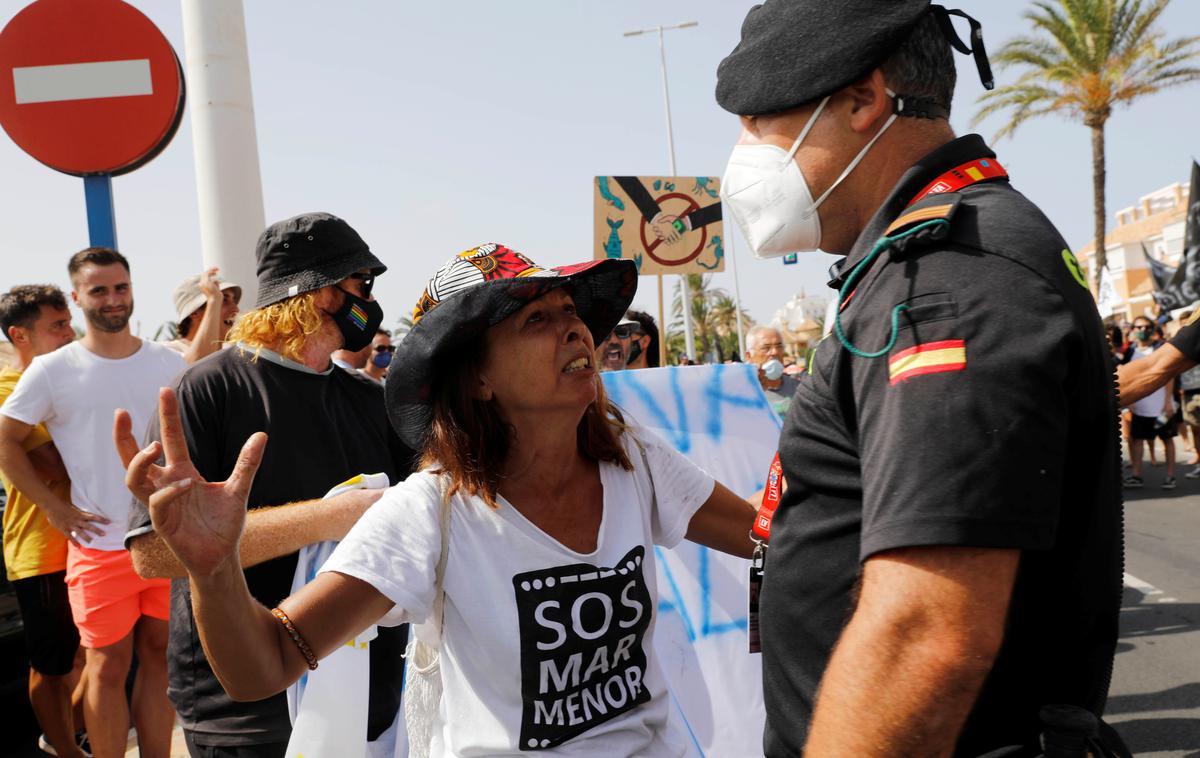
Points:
946	559
325	426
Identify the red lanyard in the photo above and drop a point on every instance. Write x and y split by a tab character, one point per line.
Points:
770	501
963	176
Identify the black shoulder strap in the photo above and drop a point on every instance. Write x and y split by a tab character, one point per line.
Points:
976	48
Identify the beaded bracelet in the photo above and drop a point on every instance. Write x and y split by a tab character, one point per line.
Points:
305	650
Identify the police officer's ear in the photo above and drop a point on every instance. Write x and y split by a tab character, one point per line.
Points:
869	103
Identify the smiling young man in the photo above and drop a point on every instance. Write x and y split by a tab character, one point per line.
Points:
74	392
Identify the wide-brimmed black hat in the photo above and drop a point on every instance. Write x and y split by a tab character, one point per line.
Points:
476	290
307	252
794	52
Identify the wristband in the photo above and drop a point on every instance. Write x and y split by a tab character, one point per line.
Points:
305	650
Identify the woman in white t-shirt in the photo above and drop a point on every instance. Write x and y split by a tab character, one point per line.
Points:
555	504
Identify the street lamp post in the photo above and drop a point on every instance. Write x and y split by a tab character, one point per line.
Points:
689	339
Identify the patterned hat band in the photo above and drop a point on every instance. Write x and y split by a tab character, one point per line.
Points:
486	263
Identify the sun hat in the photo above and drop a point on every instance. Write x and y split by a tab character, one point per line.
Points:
308	252
188	297
473	292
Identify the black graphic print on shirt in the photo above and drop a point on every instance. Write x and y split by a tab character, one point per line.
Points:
582	661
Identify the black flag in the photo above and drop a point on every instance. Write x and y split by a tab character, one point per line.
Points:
1184	287
1162	273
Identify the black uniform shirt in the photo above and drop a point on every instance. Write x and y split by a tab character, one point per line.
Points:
323	429
991	422
1187	340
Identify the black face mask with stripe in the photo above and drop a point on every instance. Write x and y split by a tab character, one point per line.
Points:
357	320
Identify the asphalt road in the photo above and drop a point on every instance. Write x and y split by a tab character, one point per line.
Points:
1155	697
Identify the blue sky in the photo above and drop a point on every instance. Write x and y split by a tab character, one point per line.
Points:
432	127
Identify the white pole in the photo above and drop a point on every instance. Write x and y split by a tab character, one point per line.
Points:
228	183
688	338
737	293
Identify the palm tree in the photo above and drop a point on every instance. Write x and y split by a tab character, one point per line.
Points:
698	289
1084	58
723	315
714	323
404	326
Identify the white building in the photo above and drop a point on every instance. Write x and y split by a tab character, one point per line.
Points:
1157	221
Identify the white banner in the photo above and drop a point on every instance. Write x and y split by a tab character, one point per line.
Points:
1106	298
718	417
329	706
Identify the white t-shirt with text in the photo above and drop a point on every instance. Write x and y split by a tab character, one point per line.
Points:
544	649
74	392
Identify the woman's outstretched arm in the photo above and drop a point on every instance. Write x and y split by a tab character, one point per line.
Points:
250	650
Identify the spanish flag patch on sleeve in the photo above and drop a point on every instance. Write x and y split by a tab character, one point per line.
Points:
928	358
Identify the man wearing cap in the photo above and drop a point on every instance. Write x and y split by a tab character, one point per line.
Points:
206	307
613	353
946	559
325	426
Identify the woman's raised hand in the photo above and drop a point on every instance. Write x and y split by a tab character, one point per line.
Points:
200	521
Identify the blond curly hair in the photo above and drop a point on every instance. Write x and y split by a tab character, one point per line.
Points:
283	327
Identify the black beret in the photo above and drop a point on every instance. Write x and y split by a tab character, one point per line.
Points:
795	51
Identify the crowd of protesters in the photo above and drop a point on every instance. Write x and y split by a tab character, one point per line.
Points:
90	571
90	606
1151	425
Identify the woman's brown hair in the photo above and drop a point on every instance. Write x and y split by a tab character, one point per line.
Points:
469	442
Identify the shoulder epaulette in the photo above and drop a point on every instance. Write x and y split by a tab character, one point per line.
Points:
906	230
933	207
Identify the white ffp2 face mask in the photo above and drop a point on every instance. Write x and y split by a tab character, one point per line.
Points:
767	195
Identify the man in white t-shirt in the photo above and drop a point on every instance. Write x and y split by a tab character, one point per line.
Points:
1152	415
74	391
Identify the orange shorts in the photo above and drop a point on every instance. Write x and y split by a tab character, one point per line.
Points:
108	597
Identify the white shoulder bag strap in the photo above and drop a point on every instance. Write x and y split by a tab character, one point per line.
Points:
422	671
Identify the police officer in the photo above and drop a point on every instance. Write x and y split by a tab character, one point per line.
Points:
947	557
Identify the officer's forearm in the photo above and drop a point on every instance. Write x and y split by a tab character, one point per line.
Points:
1141	377
910	664
270	533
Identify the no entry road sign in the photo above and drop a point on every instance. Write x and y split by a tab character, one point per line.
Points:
88	87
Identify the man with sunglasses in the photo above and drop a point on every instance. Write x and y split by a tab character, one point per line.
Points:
613	353
379	356
326	425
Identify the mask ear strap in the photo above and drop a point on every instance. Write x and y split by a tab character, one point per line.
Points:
861	154
976	49
807	128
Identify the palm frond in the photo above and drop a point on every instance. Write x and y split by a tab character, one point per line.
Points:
1086	56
